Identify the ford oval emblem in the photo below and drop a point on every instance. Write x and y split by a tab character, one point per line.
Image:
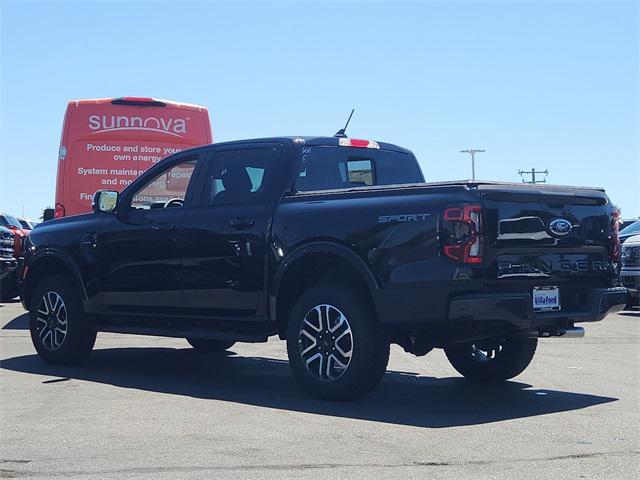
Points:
560	227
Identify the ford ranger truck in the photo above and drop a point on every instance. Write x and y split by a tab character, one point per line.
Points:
335	245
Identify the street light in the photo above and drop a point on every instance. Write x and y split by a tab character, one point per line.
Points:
472	152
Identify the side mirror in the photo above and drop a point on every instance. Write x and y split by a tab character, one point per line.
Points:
105	201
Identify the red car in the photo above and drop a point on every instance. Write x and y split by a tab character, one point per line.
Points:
12	223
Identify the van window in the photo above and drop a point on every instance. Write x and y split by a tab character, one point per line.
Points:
327	168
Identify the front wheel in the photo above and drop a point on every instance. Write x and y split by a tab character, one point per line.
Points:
336	348
59	330
492	360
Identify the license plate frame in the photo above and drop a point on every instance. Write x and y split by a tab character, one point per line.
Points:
546	299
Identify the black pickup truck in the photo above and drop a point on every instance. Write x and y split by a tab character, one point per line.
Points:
336	245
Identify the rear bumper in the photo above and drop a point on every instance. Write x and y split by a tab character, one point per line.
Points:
516	309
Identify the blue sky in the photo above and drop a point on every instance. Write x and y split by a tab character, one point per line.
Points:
542	84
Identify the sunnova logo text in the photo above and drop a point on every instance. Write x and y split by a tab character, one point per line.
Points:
106	123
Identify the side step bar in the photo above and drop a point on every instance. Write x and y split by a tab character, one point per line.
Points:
205	333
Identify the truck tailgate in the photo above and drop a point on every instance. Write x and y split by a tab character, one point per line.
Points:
548	233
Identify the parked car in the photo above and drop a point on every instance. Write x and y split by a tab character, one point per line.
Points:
336	245
630	269
26	224
13	224
8	265
625	223
629	231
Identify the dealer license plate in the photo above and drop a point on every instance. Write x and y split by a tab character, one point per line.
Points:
546	299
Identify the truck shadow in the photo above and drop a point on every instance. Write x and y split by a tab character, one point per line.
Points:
21	322
402	398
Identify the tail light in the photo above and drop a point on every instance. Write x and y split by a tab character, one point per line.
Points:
59	211
615	227
461	234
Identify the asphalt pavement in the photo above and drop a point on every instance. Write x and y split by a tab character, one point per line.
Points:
152	408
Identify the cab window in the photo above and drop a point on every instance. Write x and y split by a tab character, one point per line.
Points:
327	168
238	175
167	189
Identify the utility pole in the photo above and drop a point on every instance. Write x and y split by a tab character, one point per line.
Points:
472	152
533	172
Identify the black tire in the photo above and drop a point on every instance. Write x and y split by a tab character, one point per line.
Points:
369	353
492	361
210	345
79	337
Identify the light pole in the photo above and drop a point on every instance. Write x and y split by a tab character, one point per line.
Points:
472	152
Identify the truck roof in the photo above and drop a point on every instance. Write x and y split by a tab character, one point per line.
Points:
311	141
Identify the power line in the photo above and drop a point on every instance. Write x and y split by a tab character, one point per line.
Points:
533	173
472	152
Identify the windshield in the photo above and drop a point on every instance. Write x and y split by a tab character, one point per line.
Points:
9	221
631	229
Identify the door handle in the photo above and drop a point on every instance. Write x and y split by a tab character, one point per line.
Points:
88	240
241	223
163	226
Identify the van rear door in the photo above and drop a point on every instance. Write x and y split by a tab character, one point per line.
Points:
108	143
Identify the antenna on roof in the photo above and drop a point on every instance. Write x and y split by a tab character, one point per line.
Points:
341	133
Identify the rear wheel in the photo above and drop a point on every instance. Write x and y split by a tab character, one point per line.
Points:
492	360
210	345
59	330
336	348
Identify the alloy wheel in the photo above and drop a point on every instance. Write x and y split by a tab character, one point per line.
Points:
325	342
51	320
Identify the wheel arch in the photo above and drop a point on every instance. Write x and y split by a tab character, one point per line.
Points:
311	263
46	263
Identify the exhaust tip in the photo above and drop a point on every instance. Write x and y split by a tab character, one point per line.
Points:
572	332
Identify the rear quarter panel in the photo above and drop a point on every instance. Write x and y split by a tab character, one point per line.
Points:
394	232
